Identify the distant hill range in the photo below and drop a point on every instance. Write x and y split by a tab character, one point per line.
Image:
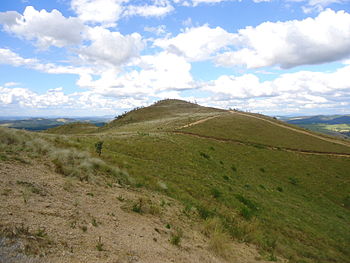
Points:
336	125
39	124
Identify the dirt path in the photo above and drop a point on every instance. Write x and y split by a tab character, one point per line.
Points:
59	219
293	129
198	122
270	147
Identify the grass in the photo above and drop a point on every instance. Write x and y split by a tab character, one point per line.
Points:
190	178
239	185
219	240
176	236
99	245
260	133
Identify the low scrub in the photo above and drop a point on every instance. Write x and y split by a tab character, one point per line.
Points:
69	162
219	239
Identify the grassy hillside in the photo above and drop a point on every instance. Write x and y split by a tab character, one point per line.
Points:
161	116
73	128
249	129
39	124
336	125
223	169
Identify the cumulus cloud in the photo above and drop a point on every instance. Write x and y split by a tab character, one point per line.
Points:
325	38
109	47
11	58
197	43
300	90
105	12
55	101
26	98
46	28
157	73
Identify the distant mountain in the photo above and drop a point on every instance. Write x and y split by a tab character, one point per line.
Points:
336	125
39	124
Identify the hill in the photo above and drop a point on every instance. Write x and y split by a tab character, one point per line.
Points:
236	177
336	125
73	128
39	124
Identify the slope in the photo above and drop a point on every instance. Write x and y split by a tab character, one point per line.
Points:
249	176
64	205
73	128
163	115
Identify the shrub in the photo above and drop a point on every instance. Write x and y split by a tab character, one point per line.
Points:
175	237
226	178
219	240
204	213
247	213
98	147
233	168
215	192
137	207
204	155
293	181
250	204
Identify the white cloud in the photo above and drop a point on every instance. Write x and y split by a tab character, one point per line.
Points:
106	12
318	5
11	84
245	86
159	30
26	98
198	2
325	38
46	28
157	9
10	58
287	93
197	43
159	73
111	48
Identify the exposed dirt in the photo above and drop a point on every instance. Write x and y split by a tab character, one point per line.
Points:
198	122
45	217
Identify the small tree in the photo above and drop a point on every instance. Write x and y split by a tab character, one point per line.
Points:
98	147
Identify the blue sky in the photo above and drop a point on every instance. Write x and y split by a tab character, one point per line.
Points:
102	57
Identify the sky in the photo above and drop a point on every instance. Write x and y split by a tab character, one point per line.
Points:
104	57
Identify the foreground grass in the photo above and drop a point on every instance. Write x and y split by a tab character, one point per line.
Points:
286	203
60	153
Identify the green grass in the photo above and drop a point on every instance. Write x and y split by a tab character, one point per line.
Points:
73	128
330	129
299	219
288	204
246	129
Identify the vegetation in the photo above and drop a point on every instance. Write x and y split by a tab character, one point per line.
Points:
287	203
39	124
336	125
